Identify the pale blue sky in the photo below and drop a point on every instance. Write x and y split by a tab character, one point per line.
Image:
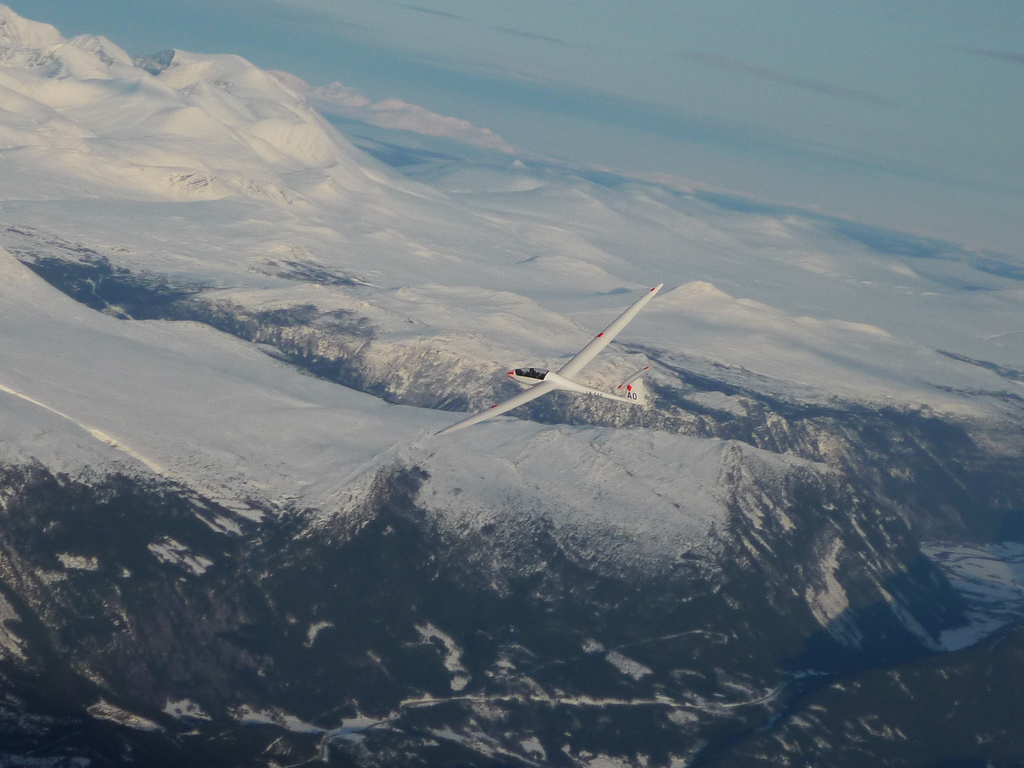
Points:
903	114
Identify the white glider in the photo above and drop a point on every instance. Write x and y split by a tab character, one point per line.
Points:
540	381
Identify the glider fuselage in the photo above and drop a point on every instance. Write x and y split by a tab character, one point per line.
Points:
532	376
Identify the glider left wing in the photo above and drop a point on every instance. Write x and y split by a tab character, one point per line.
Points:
495	410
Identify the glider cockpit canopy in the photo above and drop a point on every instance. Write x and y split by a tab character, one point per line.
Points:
532	373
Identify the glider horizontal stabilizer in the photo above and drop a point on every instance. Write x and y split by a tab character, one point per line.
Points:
633	388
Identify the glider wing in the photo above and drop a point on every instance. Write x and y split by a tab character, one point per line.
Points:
495	410
604	338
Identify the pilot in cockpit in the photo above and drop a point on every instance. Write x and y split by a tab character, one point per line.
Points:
531	373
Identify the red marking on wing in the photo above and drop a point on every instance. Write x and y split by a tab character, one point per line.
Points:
600	334
653	290
494	406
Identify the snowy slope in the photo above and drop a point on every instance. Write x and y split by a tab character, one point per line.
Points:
603	493
221	173
183	400
204	128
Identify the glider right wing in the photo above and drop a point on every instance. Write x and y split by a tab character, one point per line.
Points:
513	402
604	338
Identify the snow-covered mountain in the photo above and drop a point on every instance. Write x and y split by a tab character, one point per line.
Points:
228	336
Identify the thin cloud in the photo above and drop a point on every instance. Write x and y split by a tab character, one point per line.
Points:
738	67
311	17
677	123
431	11
1016	58
343	101
531	35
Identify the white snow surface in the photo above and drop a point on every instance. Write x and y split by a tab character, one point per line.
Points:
452	654
185	709
78	562
991	579
248	715
641	497
828	603
169	550
210	411
104	710
627	666
9	640
314	630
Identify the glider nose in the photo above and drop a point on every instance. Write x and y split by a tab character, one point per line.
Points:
511	373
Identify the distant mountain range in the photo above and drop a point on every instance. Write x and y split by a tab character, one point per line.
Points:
228	334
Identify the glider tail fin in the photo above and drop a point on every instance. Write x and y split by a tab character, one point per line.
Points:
632	389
